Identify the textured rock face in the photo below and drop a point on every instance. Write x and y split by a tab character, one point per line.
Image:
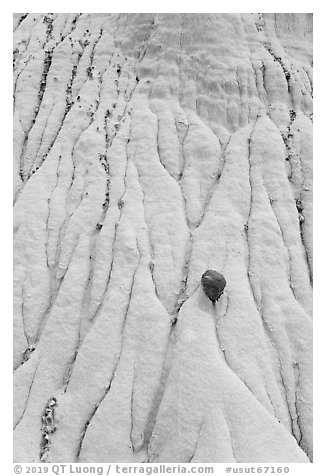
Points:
149	148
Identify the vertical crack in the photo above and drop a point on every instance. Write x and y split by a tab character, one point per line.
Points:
106	391
105	205
132	410
196	444
286	72
291	409
46	66
260	306
28	396
290	280
296	368
213	188
182	297
246	226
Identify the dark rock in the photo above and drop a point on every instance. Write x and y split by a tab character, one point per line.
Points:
213	284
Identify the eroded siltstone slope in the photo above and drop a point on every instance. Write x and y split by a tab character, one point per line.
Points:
149	148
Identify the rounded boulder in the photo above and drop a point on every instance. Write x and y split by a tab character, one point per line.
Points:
213	284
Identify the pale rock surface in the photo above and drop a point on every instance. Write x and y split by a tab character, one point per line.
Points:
147	149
